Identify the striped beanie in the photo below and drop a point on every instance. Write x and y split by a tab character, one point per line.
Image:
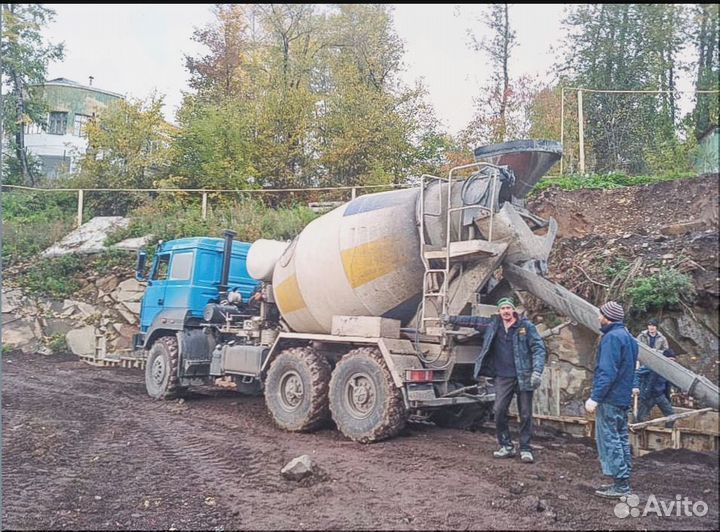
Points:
505	301
612	311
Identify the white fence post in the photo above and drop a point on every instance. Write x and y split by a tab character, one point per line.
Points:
204	205
581	135
80	208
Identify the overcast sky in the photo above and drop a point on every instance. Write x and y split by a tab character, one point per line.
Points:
135	49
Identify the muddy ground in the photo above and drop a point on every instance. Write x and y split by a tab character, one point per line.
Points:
86	448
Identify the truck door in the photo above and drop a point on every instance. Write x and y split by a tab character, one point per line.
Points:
154	300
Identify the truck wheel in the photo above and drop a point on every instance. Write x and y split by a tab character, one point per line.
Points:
463	417
365	403
296	389
161	369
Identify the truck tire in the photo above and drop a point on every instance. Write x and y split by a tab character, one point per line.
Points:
463	417
296	389
161	369
364	401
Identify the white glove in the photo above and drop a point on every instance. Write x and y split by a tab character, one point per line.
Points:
590	406
636	391
535	380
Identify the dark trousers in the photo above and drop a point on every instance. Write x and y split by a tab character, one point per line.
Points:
646	405
505	388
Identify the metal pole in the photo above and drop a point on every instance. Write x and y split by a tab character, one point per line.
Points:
562	124
80	208
204	206
581	135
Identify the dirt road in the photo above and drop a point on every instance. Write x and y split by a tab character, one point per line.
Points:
86	448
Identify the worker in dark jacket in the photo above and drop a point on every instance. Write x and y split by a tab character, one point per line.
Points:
611	395
514	353
652	389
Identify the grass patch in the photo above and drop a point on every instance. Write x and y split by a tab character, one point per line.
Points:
250	219
607	181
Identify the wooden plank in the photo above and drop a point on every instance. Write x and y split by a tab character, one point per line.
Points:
657	421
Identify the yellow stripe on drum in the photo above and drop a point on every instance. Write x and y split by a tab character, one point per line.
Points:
367	262
288	296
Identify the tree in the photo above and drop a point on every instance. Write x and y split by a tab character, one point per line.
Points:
490	123
304	95
705	37
629	47
129	146
25	58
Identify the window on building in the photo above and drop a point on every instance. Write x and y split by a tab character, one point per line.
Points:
57	125
79	125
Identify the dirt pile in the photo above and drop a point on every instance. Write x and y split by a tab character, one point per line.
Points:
609	238
673	223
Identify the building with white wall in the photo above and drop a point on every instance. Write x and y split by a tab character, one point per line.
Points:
63	140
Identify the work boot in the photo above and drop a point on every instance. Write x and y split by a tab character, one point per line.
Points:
505	452
527	457
619	489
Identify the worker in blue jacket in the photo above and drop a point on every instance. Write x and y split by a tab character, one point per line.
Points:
514	353
652	389
611	396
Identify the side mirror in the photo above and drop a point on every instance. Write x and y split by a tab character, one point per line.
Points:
140	265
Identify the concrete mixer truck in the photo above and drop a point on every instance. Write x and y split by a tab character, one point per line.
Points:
343	322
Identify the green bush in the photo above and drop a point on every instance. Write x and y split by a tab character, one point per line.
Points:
57	343
53	277
33	221
664	289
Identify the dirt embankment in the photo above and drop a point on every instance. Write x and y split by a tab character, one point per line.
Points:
85	448
673	224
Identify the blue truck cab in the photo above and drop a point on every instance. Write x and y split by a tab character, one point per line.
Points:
186	275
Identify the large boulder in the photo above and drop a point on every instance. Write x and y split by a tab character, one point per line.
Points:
81	341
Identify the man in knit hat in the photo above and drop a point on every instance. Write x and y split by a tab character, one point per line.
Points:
514	353
611	396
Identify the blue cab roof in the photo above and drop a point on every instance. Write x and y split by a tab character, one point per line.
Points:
209	243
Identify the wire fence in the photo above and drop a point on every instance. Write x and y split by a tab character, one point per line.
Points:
317	198
629	131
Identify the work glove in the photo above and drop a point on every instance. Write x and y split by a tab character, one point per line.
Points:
535	380
590	406
636	391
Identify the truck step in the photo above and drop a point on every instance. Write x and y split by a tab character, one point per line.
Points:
465	249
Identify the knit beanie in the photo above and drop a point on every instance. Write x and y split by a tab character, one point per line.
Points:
505	301
612	311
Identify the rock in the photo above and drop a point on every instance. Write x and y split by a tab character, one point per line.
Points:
55	326
129	316
107	283
542	505
517	489
563	497
682	228
133	244
45	350
298	468
132	307
19	333
81	341
88	238
572	455
11	301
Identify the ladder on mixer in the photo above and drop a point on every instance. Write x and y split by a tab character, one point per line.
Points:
436	277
